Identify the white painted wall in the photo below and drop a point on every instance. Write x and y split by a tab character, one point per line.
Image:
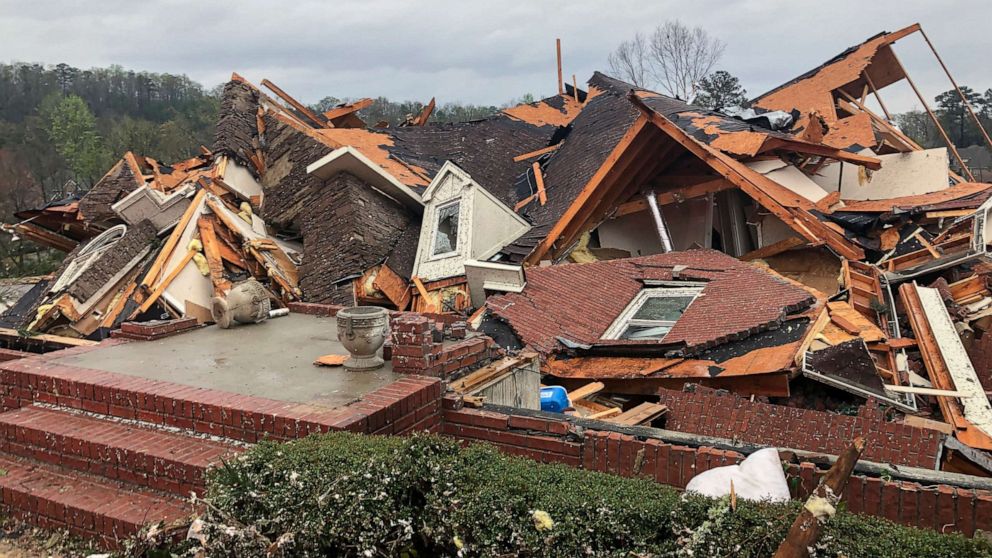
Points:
485	224
241	180
902	174
637	234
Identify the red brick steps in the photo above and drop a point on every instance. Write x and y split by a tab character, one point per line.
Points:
135	447
106	510
141	456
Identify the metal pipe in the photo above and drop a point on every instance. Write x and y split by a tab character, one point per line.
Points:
659	221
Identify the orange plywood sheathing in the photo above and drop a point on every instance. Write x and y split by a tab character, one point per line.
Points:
346	115
542	113
425	114
814	91
539	178
396	289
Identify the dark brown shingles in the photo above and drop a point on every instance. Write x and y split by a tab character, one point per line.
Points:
579	302
594	133
483	148
113	260
404	254
289	189
347	230
237	127
116	184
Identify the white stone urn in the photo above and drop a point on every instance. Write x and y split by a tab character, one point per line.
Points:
362	330
246	303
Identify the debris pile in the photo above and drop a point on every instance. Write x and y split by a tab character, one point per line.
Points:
803	254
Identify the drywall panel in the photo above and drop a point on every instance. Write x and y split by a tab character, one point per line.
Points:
241	180
636	233
190	285
902	174
792	178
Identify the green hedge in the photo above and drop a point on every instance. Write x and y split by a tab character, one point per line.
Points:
352	495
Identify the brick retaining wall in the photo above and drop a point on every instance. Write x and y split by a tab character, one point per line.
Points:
545	439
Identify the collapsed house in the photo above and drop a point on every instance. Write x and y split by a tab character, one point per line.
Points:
804	256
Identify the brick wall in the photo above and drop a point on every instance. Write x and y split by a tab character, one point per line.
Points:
549	440
710	412
414	350
155	329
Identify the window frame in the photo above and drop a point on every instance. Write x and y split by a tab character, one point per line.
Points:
435	230
626	318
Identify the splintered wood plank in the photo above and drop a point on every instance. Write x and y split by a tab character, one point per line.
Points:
773	249
850	320
645	412
211	250
585	391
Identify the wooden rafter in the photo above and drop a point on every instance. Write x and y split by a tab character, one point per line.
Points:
536	153
665	198
300	107
611	160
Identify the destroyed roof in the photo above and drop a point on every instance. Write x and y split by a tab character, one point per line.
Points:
483	148
557	110
606	130
579	302
237	123
812	90
132	172
594	133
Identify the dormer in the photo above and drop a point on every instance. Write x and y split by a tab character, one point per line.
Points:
462	221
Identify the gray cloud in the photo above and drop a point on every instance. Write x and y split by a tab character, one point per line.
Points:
479	52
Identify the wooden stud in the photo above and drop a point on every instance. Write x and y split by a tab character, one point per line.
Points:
211	251
164	284
561	87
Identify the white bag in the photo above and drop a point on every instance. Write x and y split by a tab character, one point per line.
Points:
759	477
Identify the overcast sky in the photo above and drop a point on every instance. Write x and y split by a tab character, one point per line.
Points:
478	52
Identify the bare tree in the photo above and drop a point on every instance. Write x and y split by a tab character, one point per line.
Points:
629	61
675	58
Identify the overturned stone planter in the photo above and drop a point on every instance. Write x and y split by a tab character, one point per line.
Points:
362	330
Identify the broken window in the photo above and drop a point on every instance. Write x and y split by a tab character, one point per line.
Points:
446	231
653	313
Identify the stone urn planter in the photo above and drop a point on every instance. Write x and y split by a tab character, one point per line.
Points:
246	303
362	330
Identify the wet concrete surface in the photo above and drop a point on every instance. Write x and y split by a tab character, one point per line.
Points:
273	359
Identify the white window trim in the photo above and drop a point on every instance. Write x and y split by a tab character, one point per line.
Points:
437	211
625	319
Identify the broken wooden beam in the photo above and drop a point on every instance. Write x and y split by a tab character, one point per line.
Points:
821	505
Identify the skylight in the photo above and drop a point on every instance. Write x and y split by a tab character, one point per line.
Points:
653	313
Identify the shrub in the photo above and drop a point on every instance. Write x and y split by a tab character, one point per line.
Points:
352	495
